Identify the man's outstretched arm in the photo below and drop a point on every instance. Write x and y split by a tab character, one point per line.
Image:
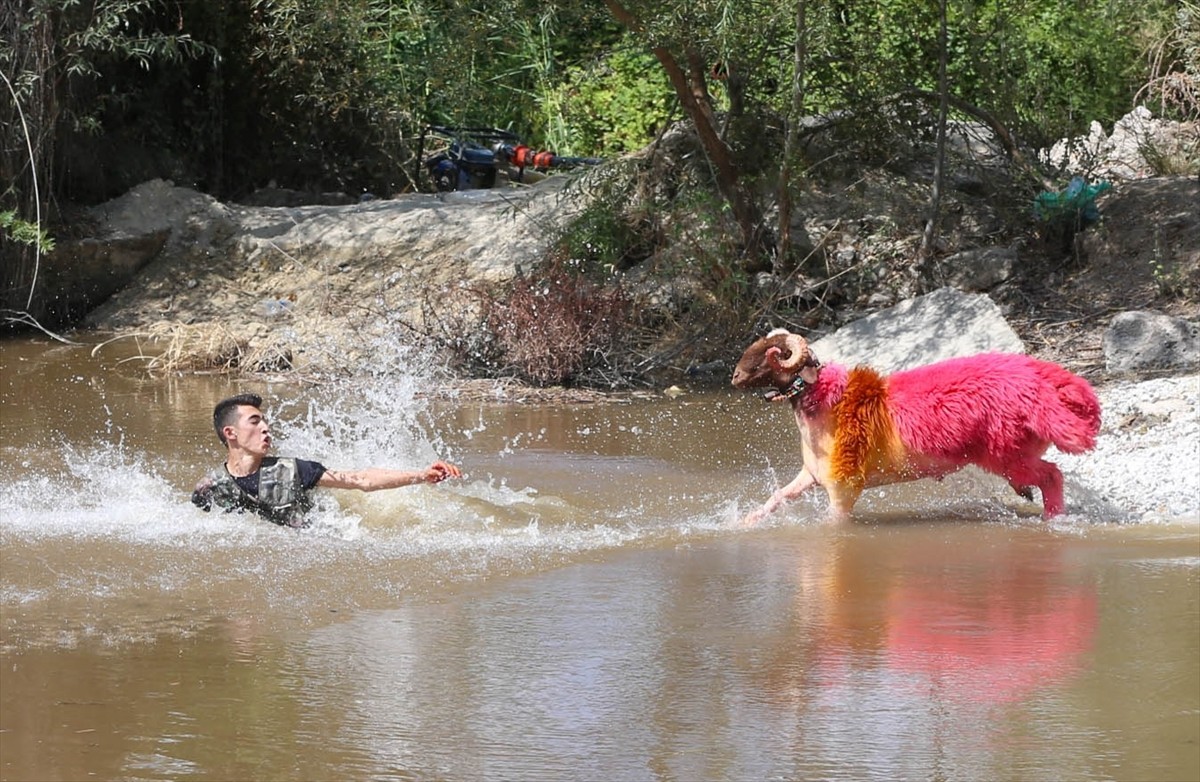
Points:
376	478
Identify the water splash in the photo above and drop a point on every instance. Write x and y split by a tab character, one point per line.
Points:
379	418
97	489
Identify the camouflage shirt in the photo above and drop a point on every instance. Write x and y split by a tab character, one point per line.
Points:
278	491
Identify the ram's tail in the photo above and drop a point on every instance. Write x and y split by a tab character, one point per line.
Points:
1070	414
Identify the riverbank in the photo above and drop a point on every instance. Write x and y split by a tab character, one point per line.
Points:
308	289
1146	457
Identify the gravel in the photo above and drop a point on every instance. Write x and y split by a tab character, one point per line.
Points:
1146	464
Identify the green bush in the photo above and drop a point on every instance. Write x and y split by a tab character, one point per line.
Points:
24	232
617	103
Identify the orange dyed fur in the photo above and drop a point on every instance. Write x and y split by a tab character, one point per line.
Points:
866	440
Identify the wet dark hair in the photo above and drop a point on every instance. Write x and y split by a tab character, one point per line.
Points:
225	413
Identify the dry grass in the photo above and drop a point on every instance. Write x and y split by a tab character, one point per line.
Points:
170	348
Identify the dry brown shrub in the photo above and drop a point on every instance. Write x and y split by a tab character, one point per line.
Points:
552	328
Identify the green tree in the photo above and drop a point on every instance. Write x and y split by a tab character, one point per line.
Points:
52	57
681	39
228	95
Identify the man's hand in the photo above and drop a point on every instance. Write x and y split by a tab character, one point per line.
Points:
440	471
202	494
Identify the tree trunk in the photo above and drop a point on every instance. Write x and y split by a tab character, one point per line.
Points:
939	165
691	88
783	263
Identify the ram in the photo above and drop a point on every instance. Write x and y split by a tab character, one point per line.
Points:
860	428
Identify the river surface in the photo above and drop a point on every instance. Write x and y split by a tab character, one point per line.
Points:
579	607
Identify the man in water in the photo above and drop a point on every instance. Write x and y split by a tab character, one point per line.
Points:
278	488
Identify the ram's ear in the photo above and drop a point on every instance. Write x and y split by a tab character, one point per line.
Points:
810	373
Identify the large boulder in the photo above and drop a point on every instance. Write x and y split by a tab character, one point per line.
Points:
330	258
1128	151
980	268
944	324
1151	340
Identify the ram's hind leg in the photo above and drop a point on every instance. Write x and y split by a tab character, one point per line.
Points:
1043	474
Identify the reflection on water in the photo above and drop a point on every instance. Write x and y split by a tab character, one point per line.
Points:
916	652
577	608
995	645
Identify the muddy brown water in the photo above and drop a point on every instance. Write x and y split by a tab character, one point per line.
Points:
578	607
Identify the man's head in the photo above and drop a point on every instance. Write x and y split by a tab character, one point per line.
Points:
241	417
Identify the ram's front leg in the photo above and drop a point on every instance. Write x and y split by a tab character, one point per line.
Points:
842	496
802	483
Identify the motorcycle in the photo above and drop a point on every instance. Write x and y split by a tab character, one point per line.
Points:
473	158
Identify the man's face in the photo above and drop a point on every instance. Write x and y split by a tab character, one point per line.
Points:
250	432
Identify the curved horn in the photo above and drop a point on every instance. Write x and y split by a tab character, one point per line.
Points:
798	349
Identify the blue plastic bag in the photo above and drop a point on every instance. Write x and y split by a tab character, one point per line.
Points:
1076	203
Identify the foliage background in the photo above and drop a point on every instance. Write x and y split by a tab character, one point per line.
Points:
228	96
